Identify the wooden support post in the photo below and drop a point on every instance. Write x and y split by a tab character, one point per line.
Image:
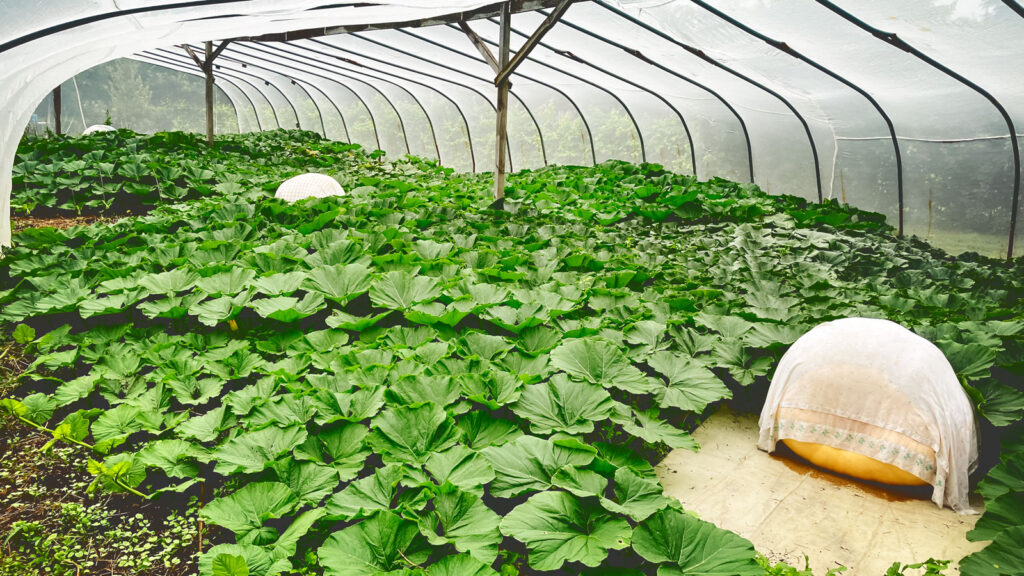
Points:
56	108
502	123
503	69
208	70
206	65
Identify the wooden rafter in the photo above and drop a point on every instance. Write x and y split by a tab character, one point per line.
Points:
488	11
532	41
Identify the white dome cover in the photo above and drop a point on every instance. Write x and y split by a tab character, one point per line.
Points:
308	186
875	388
98	128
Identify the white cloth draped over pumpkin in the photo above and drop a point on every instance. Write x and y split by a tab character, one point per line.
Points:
875	388
308	186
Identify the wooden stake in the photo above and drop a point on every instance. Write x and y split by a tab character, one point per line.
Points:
208	70
502	123
56	108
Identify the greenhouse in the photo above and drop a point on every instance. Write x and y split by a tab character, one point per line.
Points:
580	287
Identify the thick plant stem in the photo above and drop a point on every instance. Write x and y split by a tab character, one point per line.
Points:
42	428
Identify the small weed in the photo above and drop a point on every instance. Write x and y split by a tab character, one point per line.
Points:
51	526
783	569
931	566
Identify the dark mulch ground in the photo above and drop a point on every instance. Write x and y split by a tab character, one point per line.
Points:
51	523
19	223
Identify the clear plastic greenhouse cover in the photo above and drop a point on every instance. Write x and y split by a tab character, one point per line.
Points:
906	108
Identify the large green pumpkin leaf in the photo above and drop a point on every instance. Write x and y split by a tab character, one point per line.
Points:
120	420
558	527
413	433
309	481
971	361
420	388
339	283
459	565
258	561
174	457
743	366
527	464
364	497
169	283
691	386
599	362
462	519
244	511
1000	558
1002	404
480	430
1003	513
206	427
401	290
580	481
462	467
493	389
690	547
1007	476
286	544
649	426
253	451
380	544
563	405
287	308
636	496
39	407
228	565
216	310
282	283
227	283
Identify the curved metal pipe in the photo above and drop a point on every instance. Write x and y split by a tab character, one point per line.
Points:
783	47
392	74
640	56
686	128
639	133
290	55
373	122
157	61
344	124
700	54
540	134
294	83
458	108
586	125
272	85
894	40
184	61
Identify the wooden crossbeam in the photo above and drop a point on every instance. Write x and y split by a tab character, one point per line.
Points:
481	46
532	41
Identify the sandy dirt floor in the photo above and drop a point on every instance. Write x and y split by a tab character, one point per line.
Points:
790	509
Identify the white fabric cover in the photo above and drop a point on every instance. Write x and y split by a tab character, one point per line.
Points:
98	128
308	186
872	387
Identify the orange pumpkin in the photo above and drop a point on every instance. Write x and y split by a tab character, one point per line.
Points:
852	464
